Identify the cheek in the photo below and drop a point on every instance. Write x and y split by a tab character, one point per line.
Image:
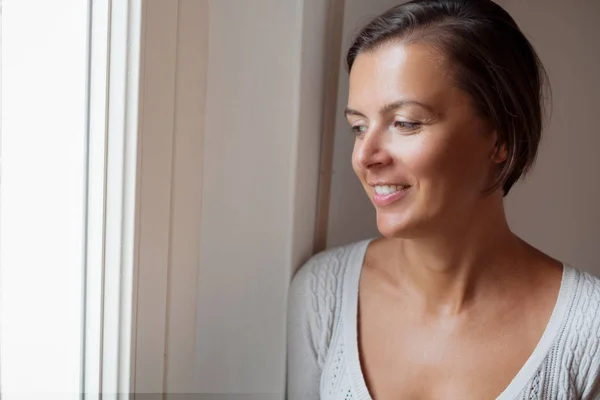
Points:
424	158
358	170
442	162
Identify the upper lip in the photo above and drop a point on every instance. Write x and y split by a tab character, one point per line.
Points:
380	183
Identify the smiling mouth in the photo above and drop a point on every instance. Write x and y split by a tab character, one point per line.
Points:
389	189
388	194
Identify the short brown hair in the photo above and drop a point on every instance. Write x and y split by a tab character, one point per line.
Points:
493	62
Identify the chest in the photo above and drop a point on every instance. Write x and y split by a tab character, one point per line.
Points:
402	357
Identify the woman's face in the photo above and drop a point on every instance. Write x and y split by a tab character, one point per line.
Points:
421	152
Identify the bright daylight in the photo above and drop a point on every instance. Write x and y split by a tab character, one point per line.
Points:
42	199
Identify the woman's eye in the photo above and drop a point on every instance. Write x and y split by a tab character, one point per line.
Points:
409	126
359	129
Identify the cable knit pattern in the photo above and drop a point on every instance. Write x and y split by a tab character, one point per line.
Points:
323	288
313	305
323	362
575	356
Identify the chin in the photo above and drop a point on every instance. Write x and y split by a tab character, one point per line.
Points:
397	226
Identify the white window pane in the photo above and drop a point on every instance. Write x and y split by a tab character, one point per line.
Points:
42	196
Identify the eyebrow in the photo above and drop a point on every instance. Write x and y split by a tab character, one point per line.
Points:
390	107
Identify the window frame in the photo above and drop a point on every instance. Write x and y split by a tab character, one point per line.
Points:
146	57
112	149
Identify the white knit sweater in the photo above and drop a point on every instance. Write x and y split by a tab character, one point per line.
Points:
323	361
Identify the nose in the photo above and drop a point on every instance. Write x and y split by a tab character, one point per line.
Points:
371	151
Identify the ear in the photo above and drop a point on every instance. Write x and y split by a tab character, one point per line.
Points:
500	153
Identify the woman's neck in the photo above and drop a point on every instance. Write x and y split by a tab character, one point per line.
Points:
449	270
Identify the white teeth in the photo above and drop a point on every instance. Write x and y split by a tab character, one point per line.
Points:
388	189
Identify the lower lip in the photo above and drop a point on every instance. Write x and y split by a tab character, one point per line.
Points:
381	200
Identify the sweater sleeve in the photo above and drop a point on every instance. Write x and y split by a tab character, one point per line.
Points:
589	335
312	303
303	369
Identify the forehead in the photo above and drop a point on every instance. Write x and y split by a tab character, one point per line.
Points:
397	70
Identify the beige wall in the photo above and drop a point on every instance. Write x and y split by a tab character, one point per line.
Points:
259	187
557	208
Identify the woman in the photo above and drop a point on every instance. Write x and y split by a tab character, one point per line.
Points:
445	101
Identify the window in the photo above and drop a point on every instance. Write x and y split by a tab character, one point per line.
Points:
42	196
68	196
133	166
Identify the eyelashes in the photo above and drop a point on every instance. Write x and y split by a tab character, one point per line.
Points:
358	129
404	127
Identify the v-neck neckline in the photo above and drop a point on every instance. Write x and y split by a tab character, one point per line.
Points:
518	383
